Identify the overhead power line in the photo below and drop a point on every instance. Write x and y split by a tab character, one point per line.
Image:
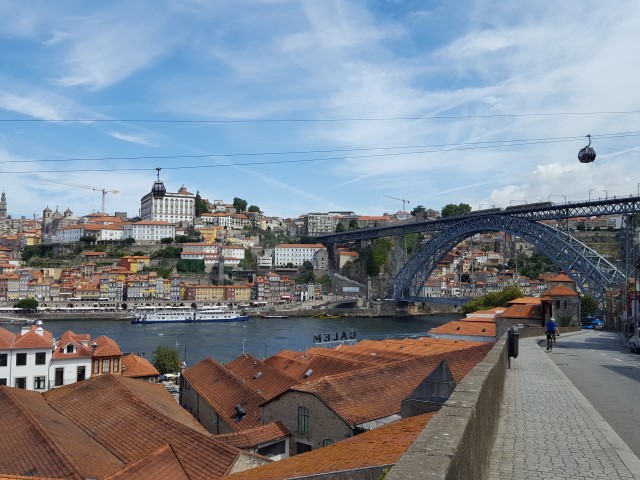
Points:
432	148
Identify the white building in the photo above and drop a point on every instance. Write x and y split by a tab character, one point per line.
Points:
25	358
71	360
296	254
212	254
73	233
160	205
320	223
232	221
148	231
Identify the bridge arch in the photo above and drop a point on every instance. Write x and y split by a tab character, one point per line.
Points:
591	272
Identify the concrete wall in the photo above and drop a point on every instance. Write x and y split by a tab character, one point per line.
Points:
323	422
457	442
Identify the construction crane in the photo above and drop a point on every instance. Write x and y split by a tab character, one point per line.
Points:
400	200
89	187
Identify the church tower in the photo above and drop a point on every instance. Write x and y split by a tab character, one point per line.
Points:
3	205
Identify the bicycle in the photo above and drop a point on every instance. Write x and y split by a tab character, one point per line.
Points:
551	341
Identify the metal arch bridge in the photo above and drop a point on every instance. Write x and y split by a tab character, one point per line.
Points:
591	272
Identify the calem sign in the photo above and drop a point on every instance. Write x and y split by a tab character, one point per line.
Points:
334	336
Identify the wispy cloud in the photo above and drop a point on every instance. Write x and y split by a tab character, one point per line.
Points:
139	139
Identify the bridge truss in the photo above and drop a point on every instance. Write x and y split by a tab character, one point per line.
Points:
591	272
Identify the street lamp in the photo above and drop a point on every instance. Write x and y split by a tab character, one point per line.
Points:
606	193
556	195
486	205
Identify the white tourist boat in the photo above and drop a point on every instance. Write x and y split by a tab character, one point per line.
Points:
217	313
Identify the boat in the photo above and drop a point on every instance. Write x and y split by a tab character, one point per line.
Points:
271	315
218	313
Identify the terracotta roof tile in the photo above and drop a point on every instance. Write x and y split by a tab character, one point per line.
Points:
296	364
35	337
160	464
521	311
6	338
135	367
269	380
135	429
254	437
39	441
560	291
461	327
107	347
379	447
223	390
376	392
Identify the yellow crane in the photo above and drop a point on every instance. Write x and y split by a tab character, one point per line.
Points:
400	200
89	187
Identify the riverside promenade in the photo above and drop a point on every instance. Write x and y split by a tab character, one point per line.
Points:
573	442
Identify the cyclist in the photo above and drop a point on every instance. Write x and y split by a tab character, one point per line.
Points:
551	328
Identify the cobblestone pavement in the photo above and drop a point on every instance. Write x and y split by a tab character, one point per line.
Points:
574	442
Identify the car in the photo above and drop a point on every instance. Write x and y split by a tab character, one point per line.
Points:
634	341
598	324
587	322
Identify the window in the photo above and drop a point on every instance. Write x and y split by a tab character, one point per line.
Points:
106	365
557	304
3	381
41	358
303	419
116	365
21	382
80	374
69	348
564	304
96	364
38	383
21	359
59	377
326	442
302	447
3	359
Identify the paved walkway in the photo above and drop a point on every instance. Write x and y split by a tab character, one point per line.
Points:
575	442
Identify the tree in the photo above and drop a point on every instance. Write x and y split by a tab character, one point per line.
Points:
491	300
190	266
305	273
451	210
30	251
166	359
253	208
129	241
239	204
353	224
166	240
376	255
248	262
418	210
202	206
27	304
88	239
339	228
588	306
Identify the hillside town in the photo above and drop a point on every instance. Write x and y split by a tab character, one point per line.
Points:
238	254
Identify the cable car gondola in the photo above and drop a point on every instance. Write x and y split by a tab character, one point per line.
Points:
587	154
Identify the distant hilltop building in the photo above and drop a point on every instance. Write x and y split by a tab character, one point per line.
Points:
160	205
3	205
54	221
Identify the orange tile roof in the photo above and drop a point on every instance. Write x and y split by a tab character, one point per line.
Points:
138	427
81	350
560	291
163	463
38	440
461	327
6	339
255	437
267	379
135	367
33	339
376	391
223	390
296	364
525	301
561	277
521	311
107	347
382	446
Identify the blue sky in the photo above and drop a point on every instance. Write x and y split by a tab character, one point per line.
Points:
306	106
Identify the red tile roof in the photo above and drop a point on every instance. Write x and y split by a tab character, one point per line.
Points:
376	392
136	367
39	441
223	390
560	291
120	413
161	464
267	379
380	447
6	339
107	347
255	437
462	327
35	337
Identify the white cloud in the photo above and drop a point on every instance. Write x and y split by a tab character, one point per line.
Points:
139	139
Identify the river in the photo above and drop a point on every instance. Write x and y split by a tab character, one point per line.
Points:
260	337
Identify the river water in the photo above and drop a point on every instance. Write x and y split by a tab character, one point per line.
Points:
261	337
